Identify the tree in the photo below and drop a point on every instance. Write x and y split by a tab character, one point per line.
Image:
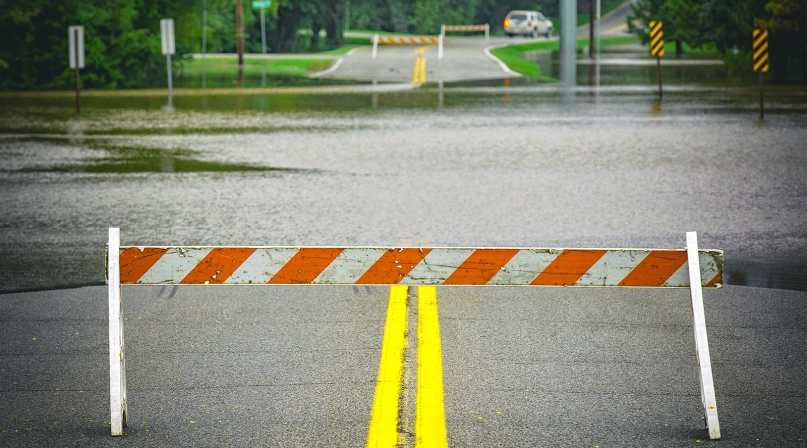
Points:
728	26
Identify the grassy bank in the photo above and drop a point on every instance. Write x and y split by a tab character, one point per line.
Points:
510	54
255	66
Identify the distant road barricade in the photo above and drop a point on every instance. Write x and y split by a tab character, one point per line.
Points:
466	28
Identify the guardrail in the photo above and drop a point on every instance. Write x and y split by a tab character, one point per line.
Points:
676	268
466	28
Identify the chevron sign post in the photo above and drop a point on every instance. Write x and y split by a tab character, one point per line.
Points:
657	50
270	265
761	65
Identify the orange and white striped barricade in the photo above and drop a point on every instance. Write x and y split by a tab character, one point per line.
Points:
675	268
466	28
401	40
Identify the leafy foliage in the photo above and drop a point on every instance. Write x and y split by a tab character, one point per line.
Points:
728	27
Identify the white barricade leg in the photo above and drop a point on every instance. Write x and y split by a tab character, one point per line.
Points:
487	31
117	363
701	342
375	45
440	47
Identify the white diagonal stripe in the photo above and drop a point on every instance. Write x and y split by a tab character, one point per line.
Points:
525	266
437	266
262	265
174	265
351	264
708	267
612	268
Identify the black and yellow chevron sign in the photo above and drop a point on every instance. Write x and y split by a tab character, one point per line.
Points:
761	51
656	39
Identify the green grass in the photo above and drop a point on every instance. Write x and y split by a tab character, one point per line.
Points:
254	66
510	54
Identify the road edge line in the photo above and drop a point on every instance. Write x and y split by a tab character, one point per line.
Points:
502	65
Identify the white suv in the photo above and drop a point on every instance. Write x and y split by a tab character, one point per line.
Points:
527	23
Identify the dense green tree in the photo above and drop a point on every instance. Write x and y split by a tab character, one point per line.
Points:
728	27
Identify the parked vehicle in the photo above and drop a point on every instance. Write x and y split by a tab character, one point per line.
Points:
527	23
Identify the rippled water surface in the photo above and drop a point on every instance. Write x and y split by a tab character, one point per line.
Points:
470	165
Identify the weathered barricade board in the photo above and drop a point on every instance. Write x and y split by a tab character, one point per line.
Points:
147	265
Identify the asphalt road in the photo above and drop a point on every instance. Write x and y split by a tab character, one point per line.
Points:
463	59
296	366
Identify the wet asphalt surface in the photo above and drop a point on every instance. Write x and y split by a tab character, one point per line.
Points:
296	366
468	165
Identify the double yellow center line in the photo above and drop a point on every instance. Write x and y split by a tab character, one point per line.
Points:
430	422
419	73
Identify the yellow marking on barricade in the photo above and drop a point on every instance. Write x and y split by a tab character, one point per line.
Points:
430	419
384	422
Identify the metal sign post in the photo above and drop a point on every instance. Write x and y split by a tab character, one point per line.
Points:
168	48
75	37
262	5
657	50
761	65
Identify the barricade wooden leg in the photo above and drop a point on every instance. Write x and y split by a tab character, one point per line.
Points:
117	363
375	45
701	342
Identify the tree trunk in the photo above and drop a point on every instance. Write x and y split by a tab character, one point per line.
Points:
316	27
679	49
397	13
333	30
778	58
288	18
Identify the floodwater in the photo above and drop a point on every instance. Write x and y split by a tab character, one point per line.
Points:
473	164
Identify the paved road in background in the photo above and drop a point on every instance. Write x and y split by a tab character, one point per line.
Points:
464	59
297	366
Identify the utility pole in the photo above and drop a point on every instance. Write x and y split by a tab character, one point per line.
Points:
239	39
347	15
263	29
204	43
591	31
568	48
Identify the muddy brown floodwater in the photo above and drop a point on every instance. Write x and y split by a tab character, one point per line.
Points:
468	165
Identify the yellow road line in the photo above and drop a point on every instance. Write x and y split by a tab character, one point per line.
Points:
384	423
430	419
416	71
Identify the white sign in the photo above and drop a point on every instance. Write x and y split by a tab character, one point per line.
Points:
167	34
75	38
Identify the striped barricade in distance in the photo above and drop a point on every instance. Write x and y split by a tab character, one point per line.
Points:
656	39
465	27
415	266
761	51
403	40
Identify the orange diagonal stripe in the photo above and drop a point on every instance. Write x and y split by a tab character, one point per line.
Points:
135	262
717	279
393	266
218	265
568	267
305	265
480	267
656	268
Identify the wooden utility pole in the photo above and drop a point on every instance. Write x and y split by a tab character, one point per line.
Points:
239	39
591	36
